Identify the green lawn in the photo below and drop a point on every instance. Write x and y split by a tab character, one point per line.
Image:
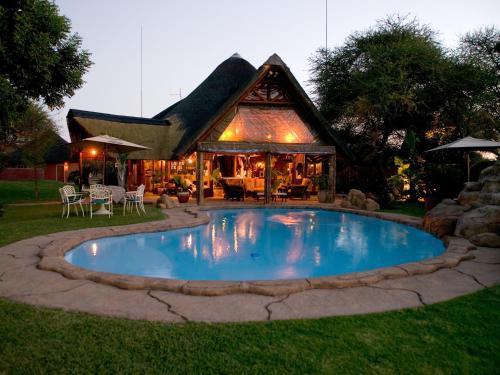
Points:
21	222
407	208
24	191
459	336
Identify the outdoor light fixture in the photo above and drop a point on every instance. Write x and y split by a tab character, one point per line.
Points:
93	152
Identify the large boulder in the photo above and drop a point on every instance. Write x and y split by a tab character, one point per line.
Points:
468	198
371	205
166	202
442	219
485	219
491	186
356	198
490	198
486	239
492	173
472	186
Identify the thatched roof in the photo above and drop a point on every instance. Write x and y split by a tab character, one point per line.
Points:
218	95
202	106
176	130
158	135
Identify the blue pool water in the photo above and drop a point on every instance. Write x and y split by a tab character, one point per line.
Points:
261	244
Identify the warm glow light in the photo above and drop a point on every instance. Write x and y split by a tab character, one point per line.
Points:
268	136
289	137
190	161
93	152
226	135
66	166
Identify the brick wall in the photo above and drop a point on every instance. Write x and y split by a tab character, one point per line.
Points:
13	174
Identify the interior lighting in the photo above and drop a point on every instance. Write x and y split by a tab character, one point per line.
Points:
268	136
93	152
289	137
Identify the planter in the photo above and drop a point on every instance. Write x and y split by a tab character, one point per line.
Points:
322	196
183	196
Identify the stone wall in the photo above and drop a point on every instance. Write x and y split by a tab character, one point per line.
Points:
474	215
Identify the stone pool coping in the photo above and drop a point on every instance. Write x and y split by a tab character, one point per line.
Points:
52	259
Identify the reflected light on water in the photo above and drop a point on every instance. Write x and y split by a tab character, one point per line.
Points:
94	249
317	256
353	241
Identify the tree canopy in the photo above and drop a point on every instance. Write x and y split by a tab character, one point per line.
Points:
40	59
395	85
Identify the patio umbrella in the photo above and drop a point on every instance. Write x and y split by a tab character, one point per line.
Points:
468	144
112	144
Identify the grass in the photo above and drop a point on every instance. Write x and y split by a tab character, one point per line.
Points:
407	208
20	222
459	336
24	191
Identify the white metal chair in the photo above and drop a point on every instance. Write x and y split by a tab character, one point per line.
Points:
101	196
136	198
70	197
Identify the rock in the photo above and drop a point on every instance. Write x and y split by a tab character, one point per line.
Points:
486	239
162	206
479	220
468	198
490	186
491	173
345	204
490	198
371	205
356	198
472	186
168	202
442	219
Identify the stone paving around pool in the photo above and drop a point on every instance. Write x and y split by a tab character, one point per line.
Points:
461	270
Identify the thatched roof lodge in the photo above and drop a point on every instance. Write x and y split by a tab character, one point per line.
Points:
239	119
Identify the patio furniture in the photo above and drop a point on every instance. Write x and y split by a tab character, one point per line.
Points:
300	191
117	192
101	196
280	193
235	192
70	197
134	198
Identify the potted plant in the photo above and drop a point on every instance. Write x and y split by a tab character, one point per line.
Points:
322	182
183	192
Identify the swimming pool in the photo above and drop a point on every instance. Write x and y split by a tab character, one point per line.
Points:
261	244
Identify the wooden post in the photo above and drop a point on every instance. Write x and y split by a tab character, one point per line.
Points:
331	177
80	169
267	179
199	178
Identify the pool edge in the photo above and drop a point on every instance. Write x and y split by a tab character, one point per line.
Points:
52	259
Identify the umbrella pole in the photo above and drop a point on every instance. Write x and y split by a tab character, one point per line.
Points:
104	167
468	166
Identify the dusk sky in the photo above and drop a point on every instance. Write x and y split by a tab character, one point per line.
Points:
184	41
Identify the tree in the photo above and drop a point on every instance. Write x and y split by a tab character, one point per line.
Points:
40	59
38	134
391	82
479	56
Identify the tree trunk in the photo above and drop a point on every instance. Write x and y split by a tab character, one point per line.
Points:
37	191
